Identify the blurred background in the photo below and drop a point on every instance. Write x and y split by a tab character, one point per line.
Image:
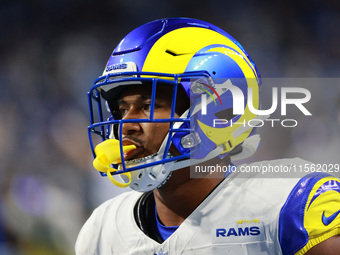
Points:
51	52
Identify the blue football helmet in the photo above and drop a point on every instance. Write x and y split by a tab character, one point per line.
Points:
187	54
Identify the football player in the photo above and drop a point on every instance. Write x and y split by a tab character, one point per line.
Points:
163	88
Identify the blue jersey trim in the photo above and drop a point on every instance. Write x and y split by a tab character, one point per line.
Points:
164	231
292	233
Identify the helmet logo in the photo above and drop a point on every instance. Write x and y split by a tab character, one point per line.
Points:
116	67
120	67
204	97
238	106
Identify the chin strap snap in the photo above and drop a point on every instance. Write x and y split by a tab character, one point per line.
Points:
107	153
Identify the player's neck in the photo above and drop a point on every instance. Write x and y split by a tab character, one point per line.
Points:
181	195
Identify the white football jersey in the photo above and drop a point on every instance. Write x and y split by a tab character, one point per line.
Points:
240	216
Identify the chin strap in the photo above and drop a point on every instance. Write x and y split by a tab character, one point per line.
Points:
250	144
249	147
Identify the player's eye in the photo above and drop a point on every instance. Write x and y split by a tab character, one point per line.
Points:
123	111
147	107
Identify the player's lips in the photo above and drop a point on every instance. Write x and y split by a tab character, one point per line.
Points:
128	141
133	153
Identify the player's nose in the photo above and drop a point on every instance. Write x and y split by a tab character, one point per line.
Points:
131	122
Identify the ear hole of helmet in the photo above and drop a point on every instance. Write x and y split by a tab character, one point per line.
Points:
226	114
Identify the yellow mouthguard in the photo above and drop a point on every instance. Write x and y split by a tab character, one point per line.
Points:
108	153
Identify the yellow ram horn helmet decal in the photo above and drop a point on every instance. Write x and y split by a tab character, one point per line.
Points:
173	51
